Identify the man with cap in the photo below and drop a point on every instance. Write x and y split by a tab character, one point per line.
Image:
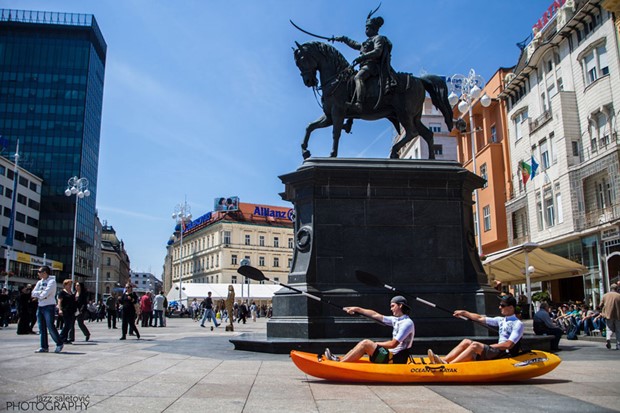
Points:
392	351
610	309
374	58
510	333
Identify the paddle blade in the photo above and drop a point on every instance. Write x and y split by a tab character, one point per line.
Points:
251	272
368	278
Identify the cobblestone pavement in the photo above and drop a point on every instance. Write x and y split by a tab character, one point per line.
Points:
185	368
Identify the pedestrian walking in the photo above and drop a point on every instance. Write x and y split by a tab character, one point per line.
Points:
129	299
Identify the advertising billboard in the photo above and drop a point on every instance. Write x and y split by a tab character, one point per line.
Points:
226	204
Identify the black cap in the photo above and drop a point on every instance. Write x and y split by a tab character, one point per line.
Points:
399	299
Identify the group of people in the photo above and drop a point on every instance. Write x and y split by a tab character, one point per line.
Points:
206	310
396	350
571	319
72	306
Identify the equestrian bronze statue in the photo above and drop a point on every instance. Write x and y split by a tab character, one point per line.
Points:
373	92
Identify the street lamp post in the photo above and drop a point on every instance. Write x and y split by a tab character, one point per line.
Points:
182	214
78	187
465	91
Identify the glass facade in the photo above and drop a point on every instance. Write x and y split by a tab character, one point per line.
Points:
51	93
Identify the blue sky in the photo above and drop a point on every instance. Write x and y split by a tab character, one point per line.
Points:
203	99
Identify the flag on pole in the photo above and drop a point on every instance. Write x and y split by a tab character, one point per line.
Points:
526	171
534	167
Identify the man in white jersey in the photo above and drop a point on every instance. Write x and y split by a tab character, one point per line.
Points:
395	350
510	333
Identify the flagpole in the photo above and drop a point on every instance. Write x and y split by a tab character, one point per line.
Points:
10	234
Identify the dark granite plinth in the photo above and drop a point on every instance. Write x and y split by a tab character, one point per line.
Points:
409	222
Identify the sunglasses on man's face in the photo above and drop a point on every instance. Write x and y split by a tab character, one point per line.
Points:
503	305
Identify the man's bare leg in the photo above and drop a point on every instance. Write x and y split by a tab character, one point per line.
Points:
361	348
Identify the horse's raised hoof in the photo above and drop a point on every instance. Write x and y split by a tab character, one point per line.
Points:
305	153
394	155
333	154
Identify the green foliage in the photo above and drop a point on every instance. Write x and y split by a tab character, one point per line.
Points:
541	296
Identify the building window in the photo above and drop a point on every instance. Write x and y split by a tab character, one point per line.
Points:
544	155
290	242
475	224
484	174
276	242
539	212
247	239
20	217
276	279
438	149
486	215
227	237
276	261
108	261
575	146
517	121
493	134
558	207
595	65
233	279
435	127
233	259
549	208
261	240
290	263
261	261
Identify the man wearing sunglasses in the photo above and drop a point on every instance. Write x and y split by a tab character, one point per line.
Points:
510	333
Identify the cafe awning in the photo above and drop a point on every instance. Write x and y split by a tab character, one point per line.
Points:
509	265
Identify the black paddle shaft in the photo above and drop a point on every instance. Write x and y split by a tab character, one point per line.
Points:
257	275
371	279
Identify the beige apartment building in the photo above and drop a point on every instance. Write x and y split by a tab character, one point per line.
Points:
215	244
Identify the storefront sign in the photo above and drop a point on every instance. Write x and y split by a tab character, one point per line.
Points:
34	260
199	221
548	14
611	233
262	211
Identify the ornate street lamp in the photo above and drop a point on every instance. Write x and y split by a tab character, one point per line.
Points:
78	187
465	91
182	215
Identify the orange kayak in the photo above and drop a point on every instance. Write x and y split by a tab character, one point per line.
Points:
420	370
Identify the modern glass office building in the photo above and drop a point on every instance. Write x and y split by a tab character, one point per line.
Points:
51	91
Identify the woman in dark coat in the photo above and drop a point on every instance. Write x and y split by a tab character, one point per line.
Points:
66	310
81	297
23	311
128	300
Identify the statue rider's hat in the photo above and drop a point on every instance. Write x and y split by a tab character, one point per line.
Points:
375	22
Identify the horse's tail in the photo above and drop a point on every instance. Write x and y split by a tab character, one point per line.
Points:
438	90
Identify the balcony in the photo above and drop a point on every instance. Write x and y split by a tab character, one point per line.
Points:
540	121
597	217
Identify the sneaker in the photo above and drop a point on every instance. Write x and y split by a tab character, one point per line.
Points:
123	338
59	348
42	350
330	356
608	345
88	337
202	325
434	358
211	328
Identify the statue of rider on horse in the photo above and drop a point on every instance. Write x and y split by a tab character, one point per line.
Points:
374	60
374	92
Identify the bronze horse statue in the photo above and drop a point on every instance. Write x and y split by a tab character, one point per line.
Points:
403	106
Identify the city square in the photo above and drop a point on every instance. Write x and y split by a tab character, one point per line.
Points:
182	368
450	171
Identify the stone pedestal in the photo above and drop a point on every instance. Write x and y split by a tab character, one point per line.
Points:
409	222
